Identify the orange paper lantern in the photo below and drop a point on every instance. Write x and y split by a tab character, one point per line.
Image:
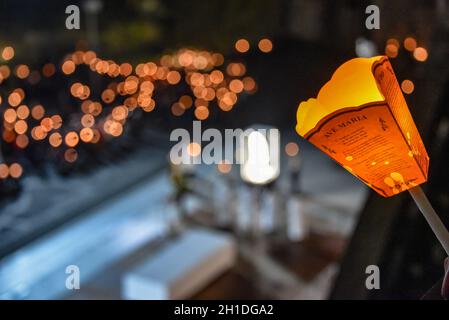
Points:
361	120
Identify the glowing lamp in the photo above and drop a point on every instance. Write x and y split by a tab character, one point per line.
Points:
259	155
361	120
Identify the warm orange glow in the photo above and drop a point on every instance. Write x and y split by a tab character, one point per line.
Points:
38	112
9	136
139	70
8	53
23	112
208	87
265	45
229	98
126	69
236	86
147	86
410	44
102	67
48	70
87	120
115	128
394	42
77	57
21	92
200	62
68	67
236	69
86	134
55	139
249	84
119	113
185	58
22	71
196	79
96	137
362	121
4	72
57	121
173	77
186	101
76	89
210	94
114	70
71	155
166	61
47	124
131	84
38	133
8	126
22	141
201	113
420	54
221	92
216	77
85	93
150	107
150	69
95	108
177	109
86	106
71	139
14	99
193	149
335	94
291	149
161	73
242	45
4	171
407	86
89	56
20	127
217	59
143	100
224	166
391	50
108	96
15	170
201	102
10	115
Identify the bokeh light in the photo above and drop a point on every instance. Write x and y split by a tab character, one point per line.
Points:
407	86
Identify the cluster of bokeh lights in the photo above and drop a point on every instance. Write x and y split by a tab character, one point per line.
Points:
212	84
418	53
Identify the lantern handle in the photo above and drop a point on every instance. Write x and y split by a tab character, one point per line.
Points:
431	216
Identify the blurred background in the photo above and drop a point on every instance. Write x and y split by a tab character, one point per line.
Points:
85	177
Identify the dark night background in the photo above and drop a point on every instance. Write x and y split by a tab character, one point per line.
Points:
310	40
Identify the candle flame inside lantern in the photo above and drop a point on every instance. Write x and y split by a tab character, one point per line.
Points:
361	120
